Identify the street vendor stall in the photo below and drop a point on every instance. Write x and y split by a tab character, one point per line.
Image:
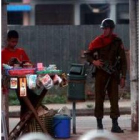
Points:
24	79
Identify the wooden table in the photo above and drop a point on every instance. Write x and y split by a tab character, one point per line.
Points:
32	112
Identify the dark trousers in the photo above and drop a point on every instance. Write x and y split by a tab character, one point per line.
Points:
112	90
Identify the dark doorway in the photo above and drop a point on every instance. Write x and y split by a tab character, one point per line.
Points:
93	13
15	18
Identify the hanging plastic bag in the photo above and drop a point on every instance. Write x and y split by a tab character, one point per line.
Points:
46	81
31	80
57	79
64	111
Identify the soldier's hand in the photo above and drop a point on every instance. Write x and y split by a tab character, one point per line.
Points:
98	63
122	82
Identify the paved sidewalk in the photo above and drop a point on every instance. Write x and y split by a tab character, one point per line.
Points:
82	108
86	123
128	135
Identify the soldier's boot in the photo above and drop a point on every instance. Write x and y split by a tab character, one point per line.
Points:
115	126
99	124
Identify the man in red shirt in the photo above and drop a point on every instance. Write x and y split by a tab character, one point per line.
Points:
11	51
12	55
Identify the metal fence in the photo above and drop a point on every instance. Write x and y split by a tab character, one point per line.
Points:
61	45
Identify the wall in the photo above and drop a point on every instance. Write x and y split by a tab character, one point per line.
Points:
63	45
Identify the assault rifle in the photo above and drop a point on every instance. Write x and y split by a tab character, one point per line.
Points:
90	56
110	70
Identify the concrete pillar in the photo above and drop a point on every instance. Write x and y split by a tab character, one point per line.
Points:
134	54
32	14
26	19
26	1
4	96
77	14
4	23
113	11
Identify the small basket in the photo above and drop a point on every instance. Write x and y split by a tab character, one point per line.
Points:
46	120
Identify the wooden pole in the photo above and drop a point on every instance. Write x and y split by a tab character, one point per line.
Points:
133	9
4	37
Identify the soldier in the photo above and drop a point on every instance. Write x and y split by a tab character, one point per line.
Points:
108	75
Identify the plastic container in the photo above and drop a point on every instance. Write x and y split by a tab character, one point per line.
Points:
61	126
21	72
76	87
76	82
77	69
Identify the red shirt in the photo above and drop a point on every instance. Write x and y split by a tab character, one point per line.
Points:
18	53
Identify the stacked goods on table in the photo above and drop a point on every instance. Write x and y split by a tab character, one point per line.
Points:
34	77
29	69
18	70
51	69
